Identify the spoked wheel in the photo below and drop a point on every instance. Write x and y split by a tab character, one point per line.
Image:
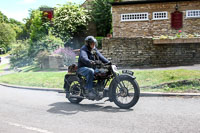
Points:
75	90
126	93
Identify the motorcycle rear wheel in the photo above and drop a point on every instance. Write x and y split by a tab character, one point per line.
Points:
74	89
129	92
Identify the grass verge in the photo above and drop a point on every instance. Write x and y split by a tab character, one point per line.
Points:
149	80
169	80
2	67
35	79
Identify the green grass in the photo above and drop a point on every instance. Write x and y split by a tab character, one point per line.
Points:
2	67
34	68
156	77
189	86
36	79
171	78
147	79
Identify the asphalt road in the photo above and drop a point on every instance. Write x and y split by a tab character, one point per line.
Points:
5	60
28	111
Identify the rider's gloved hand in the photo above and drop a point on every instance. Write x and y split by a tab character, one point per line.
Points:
98	62
109	63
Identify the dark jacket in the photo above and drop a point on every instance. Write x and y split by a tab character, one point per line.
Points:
86	57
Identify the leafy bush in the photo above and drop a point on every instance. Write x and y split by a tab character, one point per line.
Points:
48	43
25	52
69	57
99	40
19	55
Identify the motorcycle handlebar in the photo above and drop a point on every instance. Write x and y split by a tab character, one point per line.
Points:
109	63
100	63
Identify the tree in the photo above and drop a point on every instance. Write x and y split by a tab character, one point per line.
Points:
25	34
13	21
38	27
17	26
7	35
3	18
101	14
69	20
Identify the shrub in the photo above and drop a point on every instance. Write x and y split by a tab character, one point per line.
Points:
19	55
69	57
25	52
48	43
99	40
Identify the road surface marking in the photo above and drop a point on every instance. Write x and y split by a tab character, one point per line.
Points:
28	128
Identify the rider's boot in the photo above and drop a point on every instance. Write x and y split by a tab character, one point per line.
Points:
90	94
67	94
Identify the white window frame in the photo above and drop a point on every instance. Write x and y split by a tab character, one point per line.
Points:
143	16
160	15
192	13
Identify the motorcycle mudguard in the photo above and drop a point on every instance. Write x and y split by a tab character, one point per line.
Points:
114	81
66	83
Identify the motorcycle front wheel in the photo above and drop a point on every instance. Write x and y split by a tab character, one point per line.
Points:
126	92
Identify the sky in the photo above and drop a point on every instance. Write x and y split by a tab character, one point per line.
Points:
19	9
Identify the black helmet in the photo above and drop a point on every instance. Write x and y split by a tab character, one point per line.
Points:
89	40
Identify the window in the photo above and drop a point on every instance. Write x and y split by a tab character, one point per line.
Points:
160	15
135	16
193	14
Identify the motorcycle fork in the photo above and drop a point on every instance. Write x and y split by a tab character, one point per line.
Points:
119	84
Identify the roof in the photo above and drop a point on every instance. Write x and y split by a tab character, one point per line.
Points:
145	2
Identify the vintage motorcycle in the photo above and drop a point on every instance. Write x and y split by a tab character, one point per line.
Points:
122	89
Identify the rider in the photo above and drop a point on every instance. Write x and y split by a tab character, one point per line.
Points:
86	64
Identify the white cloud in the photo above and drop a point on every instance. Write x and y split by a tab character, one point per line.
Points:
27	1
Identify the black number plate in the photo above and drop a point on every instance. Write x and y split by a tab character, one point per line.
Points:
128	72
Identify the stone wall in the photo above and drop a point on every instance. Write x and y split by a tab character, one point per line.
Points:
153	27
131	52
52	61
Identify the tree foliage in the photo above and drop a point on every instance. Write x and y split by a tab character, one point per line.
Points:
19	54
3	18
69	20
25	52
17	27
101	14
7	35
38	27
47	43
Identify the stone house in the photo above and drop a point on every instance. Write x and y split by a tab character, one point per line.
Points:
147	18
135	22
